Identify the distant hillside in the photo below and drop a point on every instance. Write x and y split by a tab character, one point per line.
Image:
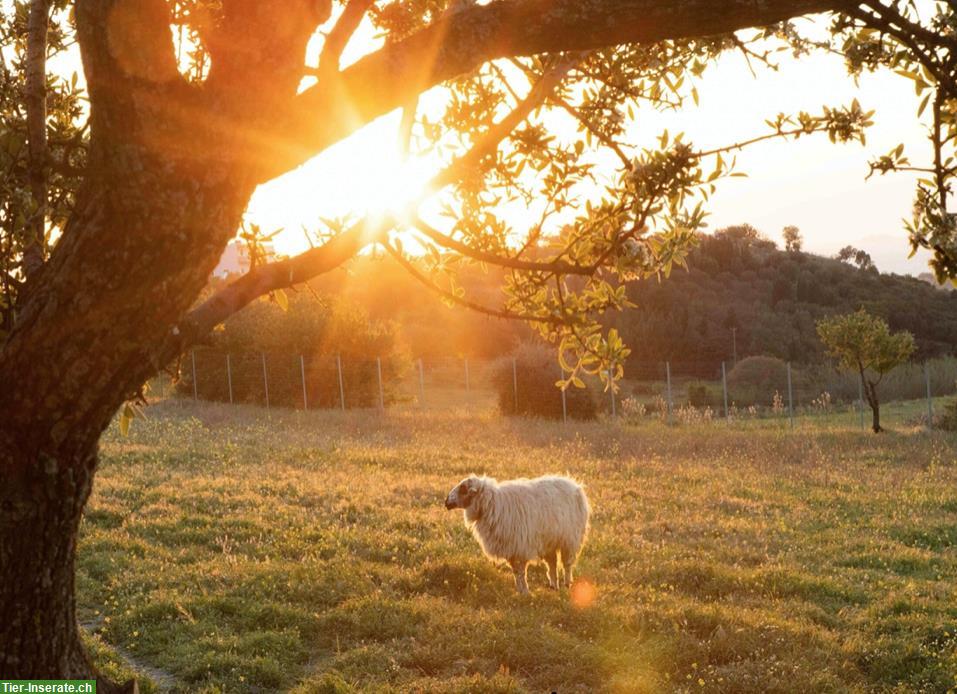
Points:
739	282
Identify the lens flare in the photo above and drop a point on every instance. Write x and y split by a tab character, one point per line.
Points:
583	594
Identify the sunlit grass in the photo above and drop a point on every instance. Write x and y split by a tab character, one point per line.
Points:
239	550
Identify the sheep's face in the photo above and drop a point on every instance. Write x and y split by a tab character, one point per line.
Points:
464	493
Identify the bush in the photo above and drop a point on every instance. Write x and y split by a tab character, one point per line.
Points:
754	380
263	337
700	395
948	419
536	371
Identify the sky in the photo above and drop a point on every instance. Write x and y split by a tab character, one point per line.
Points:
813	184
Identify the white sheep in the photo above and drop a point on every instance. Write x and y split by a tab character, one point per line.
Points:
523	520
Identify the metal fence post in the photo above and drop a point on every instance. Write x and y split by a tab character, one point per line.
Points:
611	389
302	371
421	384
342	390
378	367
229	379
724	388
265	380
860	397
561	374
790	399
669	404
930	399
192	355
515	382
468	385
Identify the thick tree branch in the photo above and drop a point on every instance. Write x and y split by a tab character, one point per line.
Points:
552	267
339	35
478	308
267	278
461	41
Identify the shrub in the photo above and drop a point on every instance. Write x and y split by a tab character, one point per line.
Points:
948	419
536	371
756	380
700	395
263	337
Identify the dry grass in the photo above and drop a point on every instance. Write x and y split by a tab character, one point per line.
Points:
239	550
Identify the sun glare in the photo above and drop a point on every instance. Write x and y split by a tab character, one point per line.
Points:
363	175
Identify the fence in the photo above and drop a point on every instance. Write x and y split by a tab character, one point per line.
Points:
767	389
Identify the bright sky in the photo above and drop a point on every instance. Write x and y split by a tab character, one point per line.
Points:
812	184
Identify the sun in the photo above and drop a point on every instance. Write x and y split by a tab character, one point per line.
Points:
363	175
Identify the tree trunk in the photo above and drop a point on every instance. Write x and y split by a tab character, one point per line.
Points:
870	389
40	510
158	205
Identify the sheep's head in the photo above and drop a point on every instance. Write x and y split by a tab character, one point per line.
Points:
464	493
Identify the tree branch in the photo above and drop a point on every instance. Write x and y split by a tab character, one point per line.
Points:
458	42
196	324
479	308
339	35
554	267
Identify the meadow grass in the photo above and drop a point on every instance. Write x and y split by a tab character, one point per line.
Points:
238	550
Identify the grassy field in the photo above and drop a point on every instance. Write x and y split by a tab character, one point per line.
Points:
235	550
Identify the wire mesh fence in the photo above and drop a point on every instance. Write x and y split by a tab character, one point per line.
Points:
759	389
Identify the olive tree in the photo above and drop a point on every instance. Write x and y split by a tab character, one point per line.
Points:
864	344
194	103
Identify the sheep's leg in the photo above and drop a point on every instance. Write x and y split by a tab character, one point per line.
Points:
518	568
552	561
568	561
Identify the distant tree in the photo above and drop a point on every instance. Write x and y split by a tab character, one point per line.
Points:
858	257
846	254
792	239
864	343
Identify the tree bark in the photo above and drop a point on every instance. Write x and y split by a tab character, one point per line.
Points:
40	510
870	390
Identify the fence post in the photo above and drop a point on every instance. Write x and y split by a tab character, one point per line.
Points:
229	379
860	397
265	380
421	384
378	368
561	374
790	399
611	389
192	355
342	390
468	386
515	382
668	404
724	388
930	399
302	371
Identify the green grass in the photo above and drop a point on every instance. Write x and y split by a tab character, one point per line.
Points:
233	550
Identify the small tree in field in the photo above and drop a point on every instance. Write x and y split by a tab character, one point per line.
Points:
864	343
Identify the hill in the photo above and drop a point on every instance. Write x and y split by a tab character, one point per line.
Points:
741	289
741	294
